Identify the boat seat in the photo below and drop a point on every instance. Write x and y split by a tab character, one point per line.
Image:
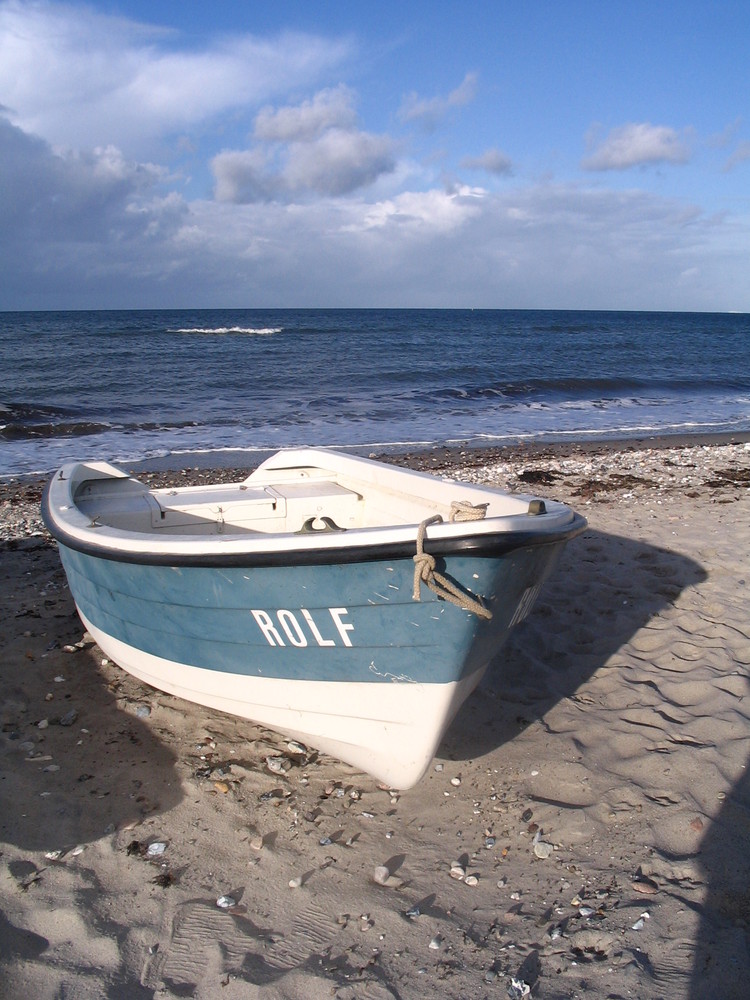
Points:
319	504
223	505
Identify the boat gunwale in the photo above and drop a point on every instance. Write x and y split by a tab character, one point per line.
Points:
486	546
327	551
486	537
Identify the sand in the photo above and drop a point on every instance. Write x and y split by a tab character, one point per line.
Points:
593	792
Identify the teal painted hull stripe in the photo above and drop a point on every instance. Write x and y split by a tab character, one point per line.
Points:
355	622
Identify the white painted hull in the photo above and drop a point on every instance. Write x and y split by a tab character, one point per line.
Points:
391	731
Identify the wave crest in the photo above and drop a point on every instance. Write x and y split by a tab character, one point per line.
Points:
258	331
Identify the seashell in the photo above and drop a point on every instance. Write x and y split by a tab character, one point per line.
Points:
381	875
542	849
645	886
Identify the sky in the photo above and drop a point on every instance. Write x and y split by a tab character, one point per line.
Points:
591	154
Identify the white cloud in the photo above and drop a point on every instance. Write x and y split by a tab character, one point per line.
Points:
68	221
430	112
722	139
331	108
740	155
78	77
339	162
636	144
66	196
423	213
242	176
312	148
494	161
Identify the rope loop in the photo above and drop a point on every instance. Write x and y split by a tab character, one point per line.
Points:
424	572
464	510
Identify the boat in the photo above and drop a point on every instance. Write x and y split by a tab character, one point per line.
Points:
349	604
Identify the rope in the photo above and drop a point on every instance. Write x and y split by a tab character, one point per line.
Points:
424	572
463	510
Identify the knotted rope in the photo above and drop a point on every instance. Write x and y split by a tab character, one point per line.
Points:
463	510
424	563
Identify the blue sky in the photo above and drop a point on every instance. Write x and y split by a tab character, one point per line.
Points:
509	154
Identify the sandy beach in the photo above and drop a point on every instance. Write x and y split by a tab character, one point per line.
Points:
593	793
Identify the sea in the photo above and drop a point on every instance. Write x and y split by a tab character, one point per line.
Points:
226	387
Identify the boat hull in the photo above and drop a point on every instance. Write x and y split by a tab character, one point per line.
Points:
337	655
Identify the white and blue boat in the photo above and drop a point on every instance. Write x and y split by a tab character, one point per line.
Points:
350	604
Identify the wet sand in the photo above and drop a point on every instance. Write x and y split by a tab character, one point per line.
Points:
594	789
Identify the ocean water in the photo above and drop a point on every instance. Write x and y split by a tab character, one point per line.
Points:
131	385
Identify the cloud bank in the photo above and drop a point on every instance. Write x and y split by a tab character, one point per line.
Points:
68	73
297	202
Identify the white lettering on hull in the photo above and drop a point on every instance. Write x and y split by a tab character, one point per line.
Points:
283	626
525	605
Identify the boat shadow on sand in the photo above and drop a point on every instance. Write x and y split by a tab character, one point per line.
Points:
604	589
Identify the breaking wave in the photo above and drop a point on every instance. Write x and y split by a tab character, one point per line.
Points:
258	331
